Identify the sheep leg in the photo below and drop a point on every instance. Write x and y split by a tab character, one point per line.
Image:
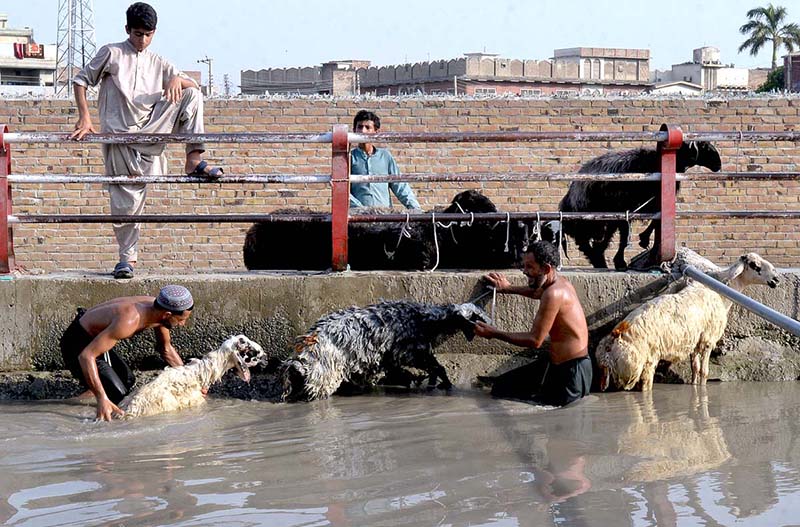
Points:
705	355
426	361
624	235
596	258
648	374
644	236
696	366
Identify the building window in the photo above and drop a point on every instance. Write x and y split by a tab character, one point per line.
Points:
529	92
485	91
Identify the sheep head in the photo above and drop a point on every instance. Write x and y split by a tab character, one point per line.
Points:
470	314
702	153
753	269
244	353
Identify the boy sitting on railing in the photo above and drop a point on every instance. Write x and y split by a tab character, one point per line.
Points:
139	92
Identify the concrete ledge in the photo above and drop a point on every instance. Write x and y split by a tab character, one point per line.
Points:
272	308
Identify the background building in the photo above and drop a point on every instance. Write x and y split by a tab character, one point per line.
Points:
791	72
573	70
25	66
707	71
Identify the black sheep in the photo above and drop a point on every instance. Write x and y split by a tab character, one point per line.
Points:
381	246
593	237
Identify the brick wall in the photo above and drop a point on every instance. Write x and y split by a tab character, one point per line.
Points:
218	246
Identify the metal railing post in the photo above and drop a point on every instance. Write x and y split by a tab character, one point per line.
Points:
340	196
7	263
668	150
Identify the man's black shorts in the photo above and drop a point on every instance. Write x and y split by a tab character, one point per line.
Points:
117	378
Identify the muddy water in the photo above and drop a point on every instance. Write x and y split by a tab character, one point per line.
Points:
725	455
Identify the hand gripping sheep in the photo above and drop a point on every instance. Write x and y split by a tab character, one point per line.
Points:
358	344
674	327
181	387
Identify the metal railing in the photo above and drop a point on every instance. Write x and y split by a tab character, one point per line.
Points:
779	319
669	139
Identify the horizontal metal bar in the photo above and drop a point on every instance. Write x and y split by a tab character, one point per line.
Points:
167	218
752	176
782	321
356	217
741	136
250	178
502	137
23	179
494	176
127	139
30	179
394	137
317	217
740	214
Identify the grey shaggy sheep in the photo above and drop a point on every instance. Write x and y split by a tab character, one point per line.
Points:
182	387
684	325
593	237
358	344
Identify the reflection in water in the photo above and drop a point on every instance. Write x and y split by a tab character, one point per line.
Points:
681	446
682	455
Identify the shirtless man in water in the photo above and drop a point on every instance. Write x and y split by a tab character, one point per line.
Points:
86	345
565	374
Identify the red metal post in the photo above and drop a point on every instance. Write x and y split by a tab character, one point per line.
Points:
340	195
668	149
6	238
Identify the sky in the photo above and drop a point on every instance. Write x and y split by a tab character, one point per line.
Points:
254	34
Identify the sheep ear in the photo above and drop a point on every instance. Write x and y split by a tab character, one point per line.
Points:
740	266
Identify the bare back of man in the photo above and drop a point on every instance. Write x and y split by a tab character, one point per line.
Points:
126	314
569	335
87	344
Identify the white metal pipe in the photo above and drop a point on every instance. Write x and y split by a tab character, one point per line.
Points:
782	321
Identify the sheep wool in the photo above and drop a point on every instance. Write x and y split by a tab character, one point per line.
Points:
181	387
673	327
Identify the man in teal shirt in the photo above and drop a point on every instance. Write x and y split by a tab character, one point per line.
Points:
368	159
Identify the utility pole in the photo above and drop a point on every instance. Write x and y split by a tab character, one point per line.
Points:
75	41
208	61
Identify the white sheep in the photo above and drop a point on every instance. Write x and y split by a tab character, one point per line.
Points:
674	327
182	387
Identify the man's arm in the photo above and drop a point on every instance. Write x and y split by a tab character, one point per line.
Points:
174	90
165	348
90	75
84	125
522	339
354	202
502	285
87	359
542	323
403	191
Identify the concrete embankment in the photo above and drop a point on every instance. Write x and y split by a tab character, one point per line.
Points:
272	308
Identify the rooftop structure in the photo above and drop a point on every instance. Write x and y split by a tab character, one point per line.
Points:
25	66
576	70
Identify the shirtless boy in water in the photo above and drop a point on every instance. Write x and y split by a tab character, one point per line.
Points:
567	368
87	343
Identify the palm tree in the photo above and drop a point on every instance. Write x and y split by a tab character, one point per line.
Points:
767	25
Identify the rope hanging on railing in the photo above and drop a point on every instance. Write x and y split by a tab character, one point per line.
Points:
403	234
508	230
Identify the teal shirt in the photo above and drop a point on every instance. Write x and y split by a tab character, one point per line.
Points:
377	194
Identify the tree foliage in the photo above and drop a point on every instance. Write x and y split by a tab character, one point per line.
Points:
774	82
768	25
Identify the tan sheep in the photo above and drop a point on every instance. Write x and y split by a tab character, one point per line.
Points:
674	327
182	387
